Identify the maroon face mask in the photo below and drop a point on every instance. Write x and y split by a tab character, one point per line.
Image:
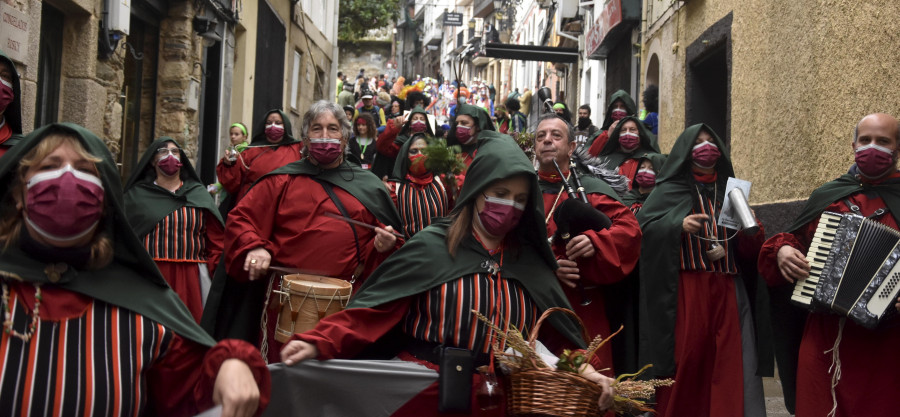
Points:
645	178
464	134
499	215
417	165
417	126
873	161
618	114
324	150
629	141
169	164
63	204
705	154
6	95
274	132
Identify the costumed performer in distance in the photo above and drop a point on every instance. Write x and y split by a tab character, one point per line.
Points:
90	327
491	255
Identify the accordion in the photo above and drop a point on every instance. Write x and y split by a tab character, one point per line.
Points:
854	269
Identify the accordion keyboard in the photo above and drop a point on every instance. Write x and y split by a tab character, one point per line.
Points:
819	248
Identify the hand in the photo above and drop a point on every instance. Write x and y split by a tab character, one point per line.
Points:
612	127
298	351
580	247
257	262
384	239
567	273
897	306
792	264
235	389
692	223
608	392
387	184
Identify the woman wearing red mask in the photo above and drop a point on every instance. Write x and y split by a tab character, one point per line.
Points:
10	105
420	196
176	220
490	255
629	142
90	325
696	275
272	147
396	133
644	181
620	106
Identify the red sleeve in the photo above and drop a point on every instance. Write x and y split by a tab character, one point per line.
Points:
215	240
598	144
344	334
768	262
183	380
251	223
230	176
392	190
385	142
617	248
750	245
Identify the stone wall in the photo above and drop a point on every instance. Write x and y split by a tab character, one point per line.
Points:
803	73
372	56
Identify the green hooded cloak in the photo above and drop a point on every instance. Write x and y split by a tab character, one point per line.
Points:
634	195
401	165
630	107
532	264
661	222
13	113
405	133
131	280
146	203
260	139
613	157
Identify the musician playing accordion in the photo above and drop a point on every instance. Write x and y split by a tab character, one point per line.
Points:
840	366
593	256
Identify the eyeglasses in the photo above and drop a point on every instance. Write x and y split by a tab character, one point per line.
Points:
166	151
414	151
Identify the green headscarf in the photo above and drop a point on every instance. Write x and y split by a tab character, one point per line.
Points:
405	133
13	113
634	195
146	203
401	165
131	280
401	275
260	139
630	107
613	157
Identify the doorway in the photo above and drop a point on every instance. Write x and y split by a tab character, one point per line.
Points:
708	80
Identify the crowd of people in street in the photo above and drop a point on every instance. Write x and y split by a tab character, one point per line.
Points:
167	295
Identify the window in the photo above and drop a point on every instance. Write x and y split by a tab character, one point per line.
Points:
49	65
295	79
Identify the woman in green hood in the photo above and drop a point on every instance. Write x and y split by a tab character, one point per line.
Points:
491	254
396	133
272	147
419	195
629	141
620	106
176	220
10	104
644	181
695	319
90	325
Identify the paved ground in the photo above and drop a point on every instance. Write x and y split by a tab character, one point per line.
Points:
774	397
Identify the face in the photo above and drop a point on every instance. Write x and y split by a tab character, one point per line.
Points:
584	113
416	147
419	103
514	188
395	107
704	136
367	102
619	104
629	127
879	130
559	111
349	114
465	120
6	73
63	155
362	128
274	118
551	142
646	164
164	150
237	135
326	126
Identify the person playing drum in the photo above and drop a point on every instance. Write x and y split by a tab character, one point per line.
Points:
292	218
491	255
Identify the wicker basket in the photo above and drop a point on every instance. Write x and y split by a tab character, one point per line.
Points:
551	392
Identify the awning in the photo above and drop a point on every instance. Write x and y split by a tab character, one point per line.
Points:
530	52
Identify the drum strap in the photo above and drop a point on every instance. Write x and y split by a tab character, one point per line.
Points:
340	206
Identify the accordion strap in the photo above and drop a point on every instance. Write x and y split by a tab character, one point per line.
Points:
855	209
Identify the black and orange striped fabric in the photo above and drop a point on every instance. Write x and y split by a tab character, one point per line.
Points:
418	204
95	364
693	249
179	237
443	314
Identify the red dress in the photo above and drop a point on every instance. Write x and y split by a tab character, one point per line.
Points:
88	357
617	251
284	214
869	364
252	164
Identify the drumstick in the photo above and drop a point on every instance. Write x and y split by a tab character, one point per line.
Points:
358	223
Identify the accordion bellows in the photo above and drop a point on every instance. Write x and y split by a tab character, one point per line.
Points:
855	271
